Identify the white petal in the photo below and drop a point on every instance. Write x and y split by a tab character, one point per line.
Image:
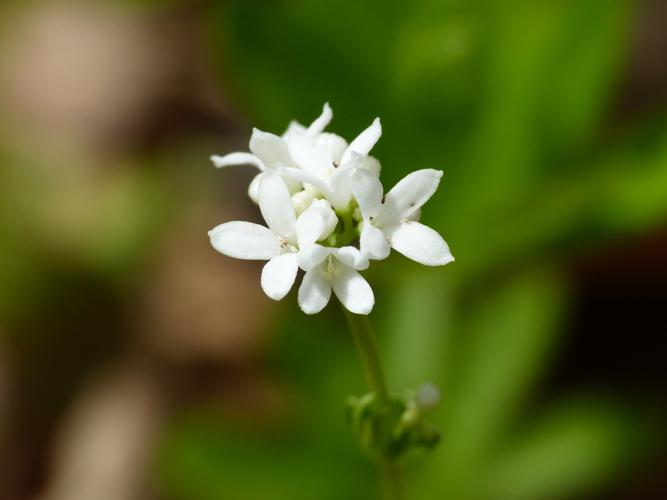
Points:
367	190
314	292
292	185
237	159
293	128
366	162
314	190
340	190
309	156
364	141
311	256
310	226
333	143
321	121
299	175
245	240
416	215
253	188
301	201
315	223
328	214
275	204
409	194
351	257
278	275
419	243
353	291
270	148
373	242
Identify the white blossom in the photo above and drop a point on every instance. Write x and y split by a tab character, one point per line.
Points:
319	197
270	152
330	268
325	161
338	271
388	221
278	243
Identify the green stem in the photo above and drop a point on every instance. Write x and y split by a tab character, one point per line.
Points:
348	228
392	476
363	337
390	470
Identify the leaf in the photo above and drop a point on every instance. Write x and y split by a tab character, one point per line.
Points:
419	329
569	451
502	350
624	192
546	82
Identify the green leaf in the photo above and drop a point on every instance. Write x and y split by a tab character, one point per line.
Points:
419	327
621	193
569	451
502	350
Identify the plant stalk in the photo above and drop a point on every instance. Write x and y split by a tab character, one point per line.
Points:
360	326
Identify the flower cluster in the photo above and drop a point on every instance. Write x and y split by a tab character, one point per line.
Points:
320	195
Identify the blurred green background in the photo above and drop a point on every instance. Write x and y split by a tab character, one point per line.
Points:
137	363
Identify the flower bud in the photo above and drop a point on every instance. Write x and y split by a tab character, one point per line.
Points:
309	188
302	200
427	396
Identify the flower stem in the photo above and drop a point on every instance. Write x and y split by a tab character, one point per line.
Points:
392	475
390	469
363	337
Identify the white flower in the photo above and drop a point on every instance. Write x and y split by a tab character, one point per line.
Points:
270	152
329	268
280	242
337	271
388	221
319	195
326	160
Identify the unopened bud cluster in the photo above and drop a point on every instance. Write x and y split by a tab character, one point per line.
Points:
394	428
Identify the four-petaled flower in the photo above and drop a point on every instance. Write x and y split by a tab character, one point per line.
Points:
326	161
318	195
390	220
270	152
278	243
337	271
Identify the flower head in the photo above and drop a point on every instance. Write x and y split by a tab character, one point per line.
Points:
319	196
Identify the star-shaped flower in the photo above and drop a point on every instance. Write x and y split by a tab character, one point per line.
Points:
281	241
270	152
337	271
388	221
326	161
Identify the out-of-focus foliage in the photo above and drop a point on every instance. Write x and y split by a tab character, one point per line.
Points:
512	100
